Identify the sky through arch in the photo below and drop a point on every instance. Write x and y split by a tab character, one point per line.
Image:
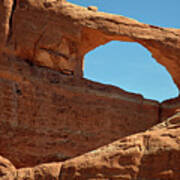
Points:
130	67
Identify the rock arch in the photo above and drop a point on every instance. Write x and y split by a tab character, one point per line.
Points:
69	31
50	114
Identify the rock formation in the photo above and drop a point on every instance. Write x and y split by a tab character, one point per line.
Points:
56	125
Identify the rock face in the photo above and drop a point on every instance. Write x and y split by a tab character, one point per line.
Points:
7	170
56	117
50	114
153	154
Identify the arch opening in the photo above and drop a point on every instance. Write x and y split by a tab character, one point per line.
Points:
130	67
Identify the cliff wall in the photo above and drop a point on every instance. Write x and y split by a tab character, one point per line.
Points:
54	117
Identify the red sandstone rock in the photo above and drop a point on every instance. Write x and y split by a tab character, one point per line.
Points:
7	170
154	154
56	117
6	8
44	171
62	33
49	113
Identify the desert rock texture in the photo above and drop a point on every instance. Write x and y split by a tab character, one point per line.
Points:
56	125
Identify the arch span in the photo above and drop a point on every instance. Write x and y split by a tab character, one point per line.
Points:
69	32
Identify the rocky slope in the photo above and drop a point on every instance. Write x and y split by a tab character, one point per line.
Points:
153	154
78	128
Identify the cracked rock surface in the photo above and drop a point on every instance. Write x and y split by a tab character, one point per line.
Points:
55	125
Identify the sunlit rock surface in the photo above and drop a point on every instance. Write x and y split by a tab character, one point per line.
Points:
56	125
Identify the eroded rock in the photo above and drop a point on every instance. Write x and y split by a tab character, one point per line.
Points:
92	8
7	170
49	113
55	117
44	171
153	155
49	25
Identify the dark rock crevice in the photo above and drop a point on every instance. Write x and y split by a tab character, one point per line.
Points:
11	21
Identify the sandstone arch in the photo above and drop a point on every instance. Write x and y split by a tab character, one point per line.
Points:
67	32
46	116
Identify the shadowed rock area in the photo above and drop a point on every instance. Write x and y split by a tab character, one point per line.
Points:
56	125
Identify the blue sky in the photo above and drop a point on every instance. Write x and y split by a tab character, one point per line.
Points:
129	65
